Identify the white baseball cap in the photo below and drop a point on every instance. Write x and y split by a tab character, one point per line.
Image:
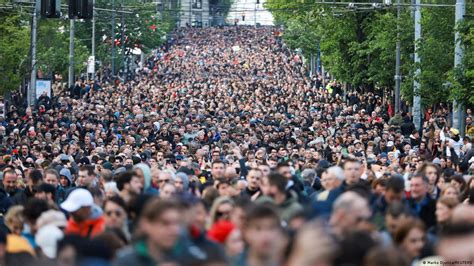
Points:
78	198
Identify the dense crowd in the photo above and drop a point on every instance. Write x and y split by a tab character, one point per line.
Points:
222	150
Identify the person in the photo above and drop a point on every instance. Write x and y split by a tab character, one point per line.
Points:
396	213
420	201
83	220
263	236
286	201
350	212
252	191
395	188
16	195
129	185
115	216
221	210
226	234
87	177
14	220
160	224
168	191
444	212
410	238
51	176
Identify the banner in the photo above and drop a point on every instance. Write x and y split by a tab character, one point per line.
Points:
43	85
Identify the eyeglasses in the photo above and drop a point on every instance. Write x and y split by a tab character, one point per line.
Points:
163	180
116	212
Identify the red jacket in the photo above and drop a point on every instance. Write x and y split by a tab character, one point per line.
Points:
89	228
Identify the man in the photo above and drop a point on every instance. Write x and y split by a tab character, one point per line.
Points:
84	219
160	224
331	179
87	177
294	183
395	213
217	169
51	176
286	201
395	188
352	172
420	202
17	196
263	234
350	213
129	185
253	183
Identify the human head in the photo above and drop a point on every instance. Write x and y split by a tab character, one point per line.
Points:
167	191
395	188
115	211
262	230
444	209
129	182
218	169
221	210
284	169
160	222
410	237
78	204
51	176
350	212
253	178
450	191
332	177
86	176
352	171
14	219
396	212
418	187
10	179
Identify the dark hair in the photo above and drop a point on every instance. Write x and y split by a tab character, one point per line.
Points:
218	162
282	164
155	208
350	160
405	227
397	209
354	247
89	168
36	176
395	184
426	165
278	180
51	171
34	207
117	200
422	176
261	211
47	188
123	178
387	256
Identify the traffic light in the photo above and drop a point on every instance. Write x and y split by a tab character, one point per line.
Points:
82	9
51	8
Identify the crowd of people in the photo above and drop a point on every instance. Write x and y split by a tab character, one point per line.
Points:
223	151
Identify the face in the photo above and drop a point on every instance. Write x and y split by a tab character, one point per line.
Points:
443	213
82	214
9	182
135	185
223	211
432	174
51	179
418	188
262	235
179	184
352	172
253	179
392	223
218	170
392	196
199	217
168	191
265	169
451	192
115	216
328	181
285	171
234	243
164	231
84	178
63	181
413	243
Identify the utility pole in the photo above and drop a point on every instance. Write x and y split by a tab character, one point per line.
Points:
416	84
31	94
113	40
122	41
397	63
458	109
93	36
71	53
255	14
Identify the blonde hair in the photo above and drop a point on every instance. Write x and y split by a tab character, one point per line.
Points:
14	214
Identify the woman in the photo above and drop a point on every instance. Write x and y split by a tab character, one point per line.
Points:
444	211
410	238
116	215
459	182
450	191
220	210
167	191
225	233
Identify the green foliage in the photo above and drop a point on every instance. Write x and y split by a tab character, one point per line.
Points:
358	46
14	47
